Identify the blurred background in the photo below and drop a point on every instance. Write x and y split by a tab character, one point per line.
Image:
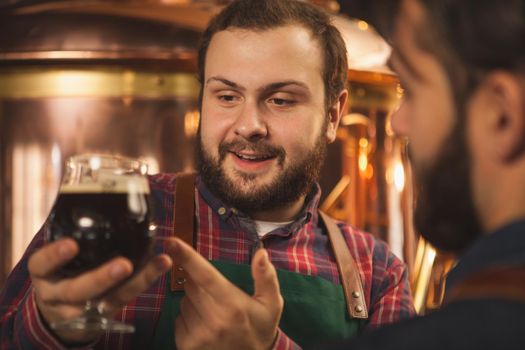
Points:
120	77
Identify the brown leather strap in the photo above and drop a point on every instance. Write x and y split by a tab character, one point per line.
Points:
183	221
502	283
348	270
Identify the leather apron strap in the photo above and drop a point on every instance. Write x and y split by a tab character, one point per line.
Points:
183	221
501	282
348	269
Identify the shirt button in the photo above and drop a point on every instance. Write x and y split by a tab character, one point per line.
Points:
221	211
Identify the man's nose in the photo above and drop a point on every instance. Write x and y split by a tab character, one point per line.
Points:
250	123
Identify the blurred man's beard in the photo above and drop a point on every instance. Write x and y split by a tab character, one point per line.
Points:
445	214
292	182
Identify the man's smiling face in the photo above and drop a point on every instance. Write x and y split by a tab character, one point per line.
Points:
264	121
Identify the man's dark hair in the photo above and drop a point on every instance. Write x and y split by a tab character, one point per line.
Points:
470	38
474	37
262	15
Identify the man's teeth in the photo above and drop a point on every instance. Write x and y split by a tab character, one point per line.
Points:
252	157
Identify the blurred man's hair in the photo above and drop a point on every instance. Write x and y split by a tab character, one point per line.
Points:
474	37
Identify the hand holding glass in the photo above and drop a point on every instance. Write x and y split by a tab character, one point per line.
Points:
103	204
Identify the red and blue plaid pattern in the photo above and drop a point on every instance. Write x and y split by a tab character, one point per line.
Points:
224	234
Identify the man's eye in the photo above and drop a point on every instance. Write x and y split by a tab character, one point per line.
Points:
227	98
281	102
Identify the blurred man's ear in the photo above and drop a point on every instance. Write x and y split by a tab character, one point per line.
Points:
500	106
334	114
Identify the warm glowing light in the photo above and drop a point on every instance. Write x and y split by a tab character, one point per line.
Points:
430	256
355	119
67	81
399	91
369	172
389	176
143	168
128	79
86	222
76	82
362	25
399	176
363	143
95	163
369	51
423	276
191	123
388	128
151	164
363	161
30	205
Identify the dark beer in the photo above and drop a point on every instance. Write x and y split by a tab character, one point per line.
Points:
105	225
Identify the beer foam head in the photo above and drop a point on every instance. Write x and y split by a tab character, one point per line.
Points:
108	183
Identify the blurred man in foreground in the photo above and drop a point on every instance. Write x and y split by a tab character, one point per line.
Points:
462	67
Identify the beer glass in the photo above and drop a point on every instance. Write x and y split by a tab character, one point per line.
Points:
103	204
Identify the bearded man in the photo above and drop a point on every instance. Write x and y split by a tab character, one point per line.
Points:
273	76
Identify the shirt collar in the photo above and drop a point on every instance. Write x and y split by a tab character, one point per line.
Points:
308	212
502	247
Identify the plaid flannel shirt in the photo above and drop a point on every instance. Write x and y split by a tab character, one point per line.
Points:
301	247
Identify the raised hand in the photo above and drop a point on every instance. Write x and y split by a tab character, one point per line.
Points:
64	298
215	314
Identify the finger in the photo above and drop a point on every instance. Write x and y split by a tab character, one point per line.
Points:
86	286
191	332
182	333
141	281
204	304
192	318
47	260
266	283
199	269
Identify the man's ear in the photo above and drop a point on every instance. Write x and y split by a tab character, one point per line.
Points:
500	106
334	114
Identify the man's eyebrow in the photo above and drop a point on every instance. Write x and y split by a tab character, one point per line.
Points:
281	84
265	89
225	82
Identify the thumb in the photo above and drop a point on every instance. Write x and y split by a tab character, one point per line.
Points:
265	280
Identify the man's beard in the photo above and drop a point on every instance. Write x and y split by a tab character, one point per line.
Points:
445	214
289	185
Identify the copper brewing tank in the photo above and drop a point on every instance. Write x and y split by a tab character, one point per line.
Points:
79	76
373	187
374	191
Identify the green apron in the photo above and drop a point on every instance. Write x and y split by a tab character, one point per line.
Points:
314	309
